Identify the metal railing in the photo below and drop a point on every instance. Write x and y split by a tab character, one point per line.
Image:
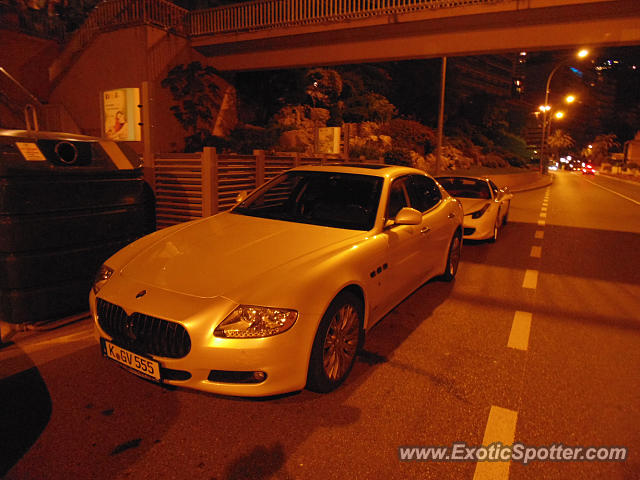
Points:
195	185
262	14
244	17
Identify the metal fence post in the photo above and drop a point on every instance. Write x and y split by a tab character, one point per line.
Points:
209	162
260	164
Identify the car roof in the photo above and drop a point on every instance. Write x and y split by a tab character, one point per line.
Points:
376	169
486	179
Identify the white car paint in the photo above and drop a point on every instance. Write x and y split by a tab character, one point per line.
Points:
195	274
487	226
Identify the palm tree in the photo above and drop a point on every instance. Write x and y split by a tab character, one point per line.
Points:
560	140
602	145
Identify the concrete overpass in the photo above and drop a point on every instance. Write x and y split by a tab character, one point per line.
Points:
286	34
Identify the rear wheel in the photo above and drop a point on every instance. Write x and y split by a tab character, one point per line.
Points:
453	258
336	343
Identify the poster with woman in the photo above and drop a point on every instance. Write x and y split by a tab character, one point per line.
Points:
121	114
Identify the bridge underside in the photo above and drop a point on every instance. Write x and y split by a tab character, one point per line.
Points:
507	27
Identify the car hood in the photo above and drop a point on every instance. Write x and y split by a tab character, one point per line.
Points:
215	256
470	205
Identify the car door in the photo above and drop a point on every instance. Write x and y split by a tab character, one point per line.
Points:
436	228
404	243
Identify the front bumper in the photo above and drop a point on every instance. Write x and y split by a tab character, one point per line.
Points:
212	363
478	228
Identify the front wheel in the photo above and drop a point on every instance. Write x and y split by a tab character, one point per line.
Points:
339	336
453	258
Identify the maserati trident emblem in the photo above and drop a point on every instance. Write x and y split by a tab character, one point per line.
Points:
141	293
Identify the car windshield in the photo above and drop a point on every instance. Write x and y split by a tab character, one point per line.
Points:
330	199
465	187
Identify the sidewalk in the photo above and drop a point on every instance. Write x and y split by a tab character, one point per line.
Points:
522	182
632	179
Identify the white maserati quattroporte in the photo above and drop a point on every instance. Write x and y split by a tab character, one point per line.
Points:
277	293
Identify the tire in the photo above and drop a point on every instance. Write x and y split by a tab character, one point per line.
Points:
453	258
339	337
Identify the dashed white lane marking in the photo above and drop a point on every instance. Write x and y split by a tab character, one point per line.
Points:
536	251
542	222
543	214
501	427
613	191
530	279
519	336
543	209
539	234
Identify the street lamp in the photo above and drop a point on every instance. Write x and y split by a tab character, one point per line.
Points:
581	54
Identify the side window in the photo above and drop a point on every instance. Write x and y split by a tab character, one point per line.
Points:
423	192
397	197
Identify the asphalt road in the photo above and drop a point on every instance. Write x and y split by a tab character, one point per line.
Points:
537	341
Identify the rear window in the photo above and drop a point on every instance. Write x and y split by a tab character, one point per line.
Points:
465	187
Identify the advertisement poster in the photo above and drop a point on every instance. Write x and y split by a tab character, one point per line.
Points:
121	115
328	140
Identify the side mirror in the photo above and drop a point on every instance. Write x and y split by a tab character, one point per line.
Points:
408	216
242	196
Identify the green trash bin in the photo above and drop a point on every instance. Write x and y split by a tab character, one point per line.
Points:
67	203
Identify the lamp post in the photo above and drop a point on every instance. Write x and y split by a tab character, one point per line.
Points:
581	54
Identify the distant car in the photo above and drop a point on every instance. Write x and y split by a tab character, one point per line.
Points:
486	207
278	292
588	170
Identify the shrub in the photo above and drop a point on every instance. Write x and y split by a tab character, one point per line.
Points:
410	135
398	156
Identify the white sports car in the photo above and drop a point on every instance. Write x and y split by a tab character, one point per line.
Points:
278	292
486	207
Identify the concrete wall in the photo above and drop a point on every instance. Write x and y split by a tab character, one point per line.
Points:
121	59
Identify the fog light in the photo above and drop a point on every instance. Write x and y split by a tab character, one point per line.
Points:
226	376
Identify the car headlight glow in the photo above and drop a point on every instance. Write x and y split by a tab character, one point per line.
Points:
102	276
480	212
248	321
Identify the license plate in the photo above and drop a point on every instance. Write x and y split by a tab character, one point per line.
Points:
140	365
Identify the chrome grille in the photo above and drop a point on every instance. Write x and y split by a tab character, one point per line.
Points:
143	334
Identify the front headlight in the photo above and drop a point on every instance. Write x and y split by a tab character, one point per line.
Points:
480	212
102	276
248	321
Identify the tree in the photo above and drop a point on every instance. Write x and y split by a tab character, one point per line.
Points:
323	86
195	89
560	140
602	145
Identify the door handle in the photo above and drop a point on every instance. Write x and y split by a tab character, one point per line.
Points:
425	230
451	215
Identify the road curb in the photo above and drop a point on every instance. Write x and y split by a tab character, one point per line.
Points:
532	186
